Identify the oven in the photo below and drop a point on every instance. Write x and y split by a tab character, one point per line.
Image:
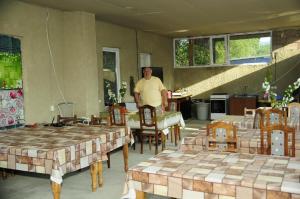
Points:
218	105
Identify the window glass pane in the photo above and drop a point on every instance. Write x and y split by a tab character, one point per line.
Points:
201	51
251	48
219	52
181	52
109	60
109	76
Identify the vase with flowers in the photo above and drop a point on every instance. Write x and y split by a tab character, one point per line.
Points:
113	98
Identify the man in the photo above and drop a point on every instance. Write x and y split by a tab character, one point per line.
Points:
151	91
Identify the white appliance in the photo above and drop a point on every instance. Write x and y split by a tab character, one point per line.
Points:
218	105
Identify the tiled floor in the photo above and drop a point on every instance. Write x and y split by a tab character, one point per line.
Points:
77	185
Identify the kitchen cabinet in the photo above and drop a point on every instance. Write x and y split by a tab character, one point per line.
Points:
237	103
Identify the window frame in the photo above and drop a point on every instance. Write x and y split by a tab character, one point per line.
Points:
227	50
117	69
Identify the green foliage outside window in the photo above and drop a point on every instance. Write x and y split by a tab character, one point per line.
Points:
246	48
201	51
10	70
219	51
181	52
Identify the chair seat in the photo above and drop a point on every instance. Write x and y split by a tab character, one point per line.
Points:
148	132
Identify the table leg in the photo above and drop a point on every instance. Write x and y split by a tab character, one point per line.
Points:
100	177
125	156
56	190
175	133
140	195
171	131
94	169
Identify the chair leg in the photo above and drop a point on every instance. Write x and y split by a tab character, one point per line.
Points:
142	140
162	141
150	142
156	143
108	160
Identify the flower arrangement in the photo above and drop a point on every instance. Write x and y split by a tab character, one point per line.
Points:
122	91
269	93
287	96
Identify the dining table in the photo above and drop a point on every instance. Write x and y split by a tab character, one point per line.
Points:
56	151
247	121
165	120
206	174
248	141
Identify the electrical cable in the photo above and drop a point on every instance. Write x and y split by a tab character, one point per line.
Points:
51	59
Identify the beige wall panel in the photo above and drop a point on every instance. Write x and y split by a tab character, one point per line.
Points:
29	24
161	50
80	62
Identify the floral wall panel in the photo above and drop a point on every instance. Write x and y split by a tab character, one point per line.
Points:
11	107
11	92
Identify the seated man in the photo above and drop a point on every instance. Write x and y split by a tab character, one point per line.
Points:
150	91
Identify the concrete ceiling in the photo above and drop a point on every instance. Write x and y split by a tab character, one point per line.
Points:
180	18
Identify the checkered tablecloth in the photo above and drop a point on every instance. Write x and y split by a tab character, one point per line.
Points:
57	151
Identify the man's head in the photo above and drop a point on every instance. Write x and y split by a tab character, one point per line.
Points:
147	72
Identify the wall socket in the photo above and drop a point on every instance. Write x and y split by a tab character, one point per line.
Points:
52	108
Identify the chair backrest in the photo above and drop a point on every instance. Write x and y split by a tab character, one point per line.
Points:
66	113
66	109
249	112
275	116
294	111
117	115
259	119
95	120
222	136
173	105
281	140
148	118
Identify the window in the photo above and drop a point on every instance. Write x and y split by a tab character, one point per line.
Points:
111	72
201	52
254	48
219	50
223	50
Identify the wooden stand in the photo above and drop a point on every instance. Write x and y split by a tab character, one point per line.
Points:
56	188
140	195
125	156
94	171
100	177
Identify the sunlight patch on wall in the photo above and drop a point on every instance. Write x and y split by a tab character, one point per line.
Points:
223	78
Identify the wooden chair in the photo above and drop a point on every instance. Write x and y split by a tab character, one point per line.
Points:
264	118
222	136
294	109
174	105
148	125
258	118
294	114
249	112
280	140
275	116
95	120
117	115
116	118
66	113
